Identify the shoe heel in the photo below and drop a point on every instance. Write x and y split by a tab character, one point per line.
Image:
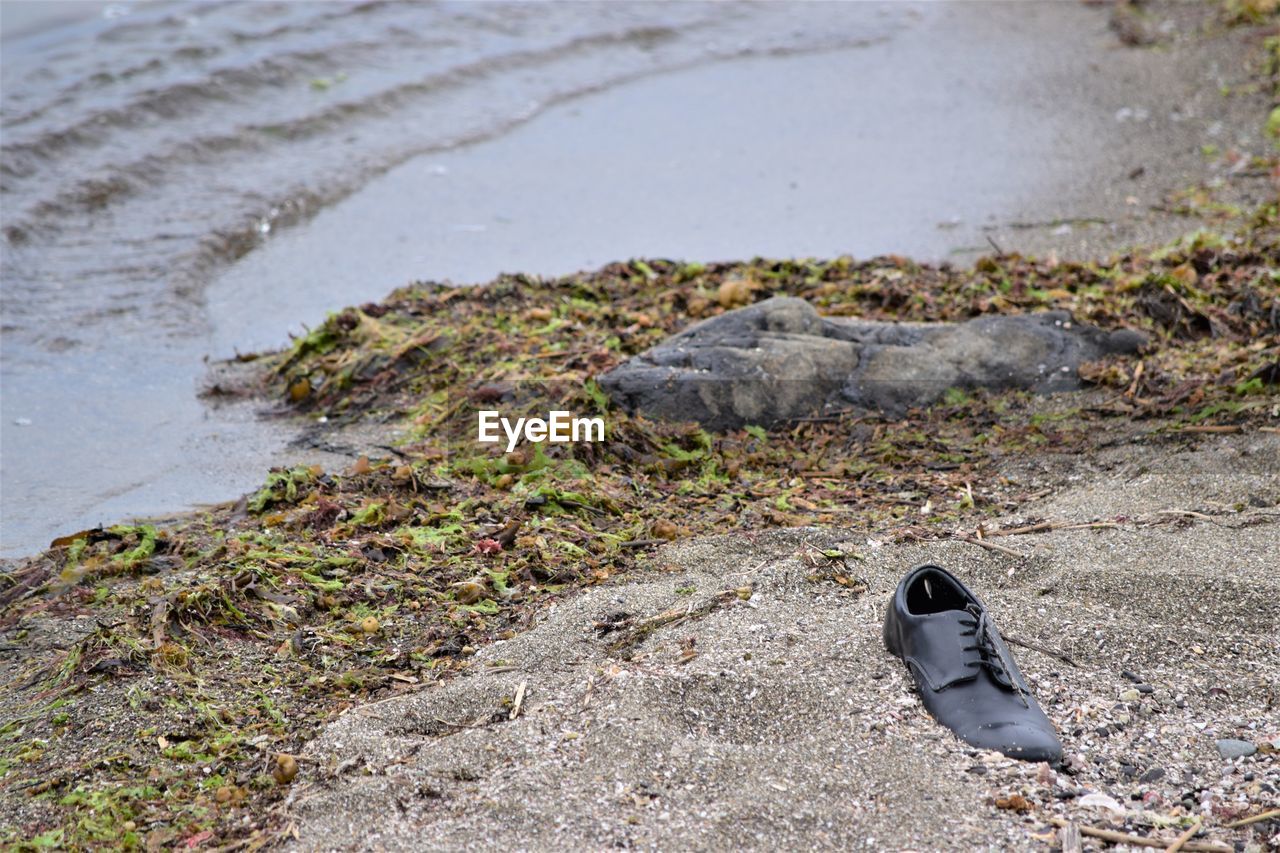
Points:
890	635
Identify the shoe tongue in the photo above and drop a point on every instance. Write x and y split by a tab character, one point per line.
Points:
938	648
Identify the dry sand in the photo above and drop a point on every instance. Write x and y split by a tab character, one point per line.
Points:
792	727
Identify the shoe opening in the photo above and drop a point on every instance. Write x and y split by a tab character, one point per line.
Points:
934	592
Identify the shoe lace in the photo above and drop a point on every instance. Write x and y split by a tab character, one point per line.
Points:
991	652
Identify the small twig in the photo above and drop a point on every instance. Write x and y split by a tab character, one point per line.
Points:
832	556
1069	839
991	546
1142	841
1132	390
822	509
1184	837
996	246
572	504
1047	526
561	354
1041	649
1089	525
751	571
1187	514
366	710
1020	531
829	417
519	701
494	670
639	632
1213	430
641	543
1235	824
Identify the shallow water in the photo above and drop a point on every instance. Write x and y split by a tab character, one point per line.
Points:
188	180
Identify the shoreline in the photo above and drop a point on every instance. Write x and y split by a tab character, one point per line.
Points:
1038	136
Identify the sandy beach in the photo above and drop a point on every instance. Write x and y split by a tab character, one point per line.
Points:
793	727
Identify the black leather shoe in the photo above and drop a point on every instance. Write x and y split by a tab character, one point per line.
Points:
967	678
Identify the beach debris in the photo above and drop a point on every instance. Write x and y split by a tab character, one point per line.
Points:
779	360
663	528
286	769
1014	803
1098	800
1115	837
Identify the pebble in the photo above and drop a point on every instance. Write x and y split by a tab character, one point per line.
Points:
1129	696
1153	775
1131	675
1145	688
1232	748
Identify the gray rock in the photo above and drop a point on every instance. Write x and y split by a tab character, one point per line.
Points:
1231	748
779	360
